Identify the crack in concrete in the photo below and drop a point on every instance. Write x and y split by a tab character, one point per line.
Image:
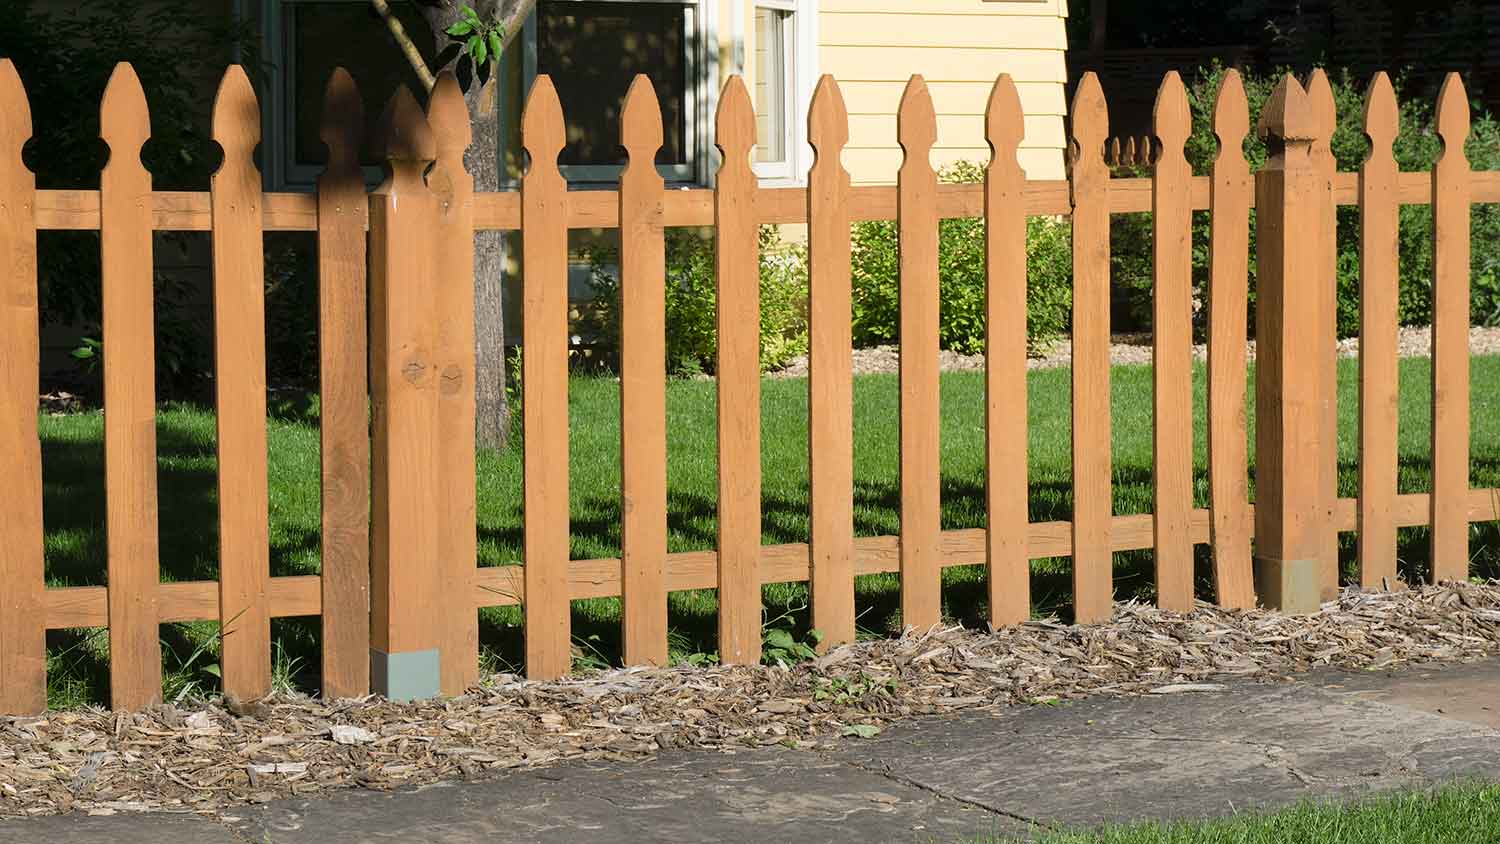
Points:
887	773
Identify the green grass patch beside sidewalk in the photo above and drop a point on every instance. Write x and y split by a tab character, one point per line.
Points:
1463	813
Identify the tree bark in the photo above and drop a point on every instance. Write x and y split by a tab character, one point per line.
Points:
482	160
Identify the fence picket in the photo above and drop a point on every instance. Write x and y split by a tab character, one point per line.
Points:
1320	97
917	223
1172	348
830	382
23	639
344	429
544	377
738	270
1006	470
1093	589
1378	411
457	538
1450	337
129	396
407	612
1228	327
240	393
1288	426
643	376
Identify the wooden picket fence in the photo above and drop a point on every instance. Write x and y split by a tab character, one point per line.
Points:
398	516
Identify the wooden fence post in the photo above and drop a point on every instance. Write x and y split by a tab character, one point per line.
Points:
1006	471
240	393
406	602
1450	338
921	488
1093	477
343	390
544	376
830	386
1289	517
453	256
1379	411
643	378
1172	348
23	635
738	268
1228	312
1325	120
129	396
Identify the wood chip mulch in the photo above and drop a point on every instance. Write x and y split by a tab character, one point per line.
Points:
204	758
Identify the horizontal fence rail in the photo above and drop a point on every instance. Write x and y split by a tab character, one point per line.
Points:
399	587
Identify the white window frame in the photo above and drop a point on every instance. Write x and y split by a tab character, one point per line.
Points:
801	83
700	25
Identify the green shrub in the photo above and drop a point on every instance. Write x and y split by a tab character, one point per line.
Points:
961	278
1416	148
691	303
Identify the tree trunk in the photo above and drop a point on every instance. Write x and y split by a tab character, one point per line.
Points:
482	160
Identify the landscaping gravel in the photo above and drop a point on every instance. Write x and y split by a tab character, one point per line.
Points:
1136	349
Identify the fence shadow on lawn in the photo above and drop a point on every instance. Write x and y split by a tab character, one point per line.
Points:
74	512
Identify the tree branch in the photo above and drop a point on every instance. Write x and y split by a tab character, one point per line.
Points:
514	19
404	42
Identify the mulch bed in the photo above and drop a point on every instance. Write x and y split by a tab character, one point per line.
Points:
205	758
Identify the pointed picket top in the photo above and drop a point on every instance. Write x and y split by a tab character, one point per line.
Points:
542	125
236	117
406	137
1452	118
828	121
734	126
1231	116
343	125
1382	115
640	123
448	118
916	119
124	122
15	113
1172	120
1287	115
1090	121
1004	121
1325	114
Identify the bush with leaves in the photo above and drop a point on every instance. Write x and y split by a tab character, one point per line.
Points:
64	59
691	301
1416	148
961	278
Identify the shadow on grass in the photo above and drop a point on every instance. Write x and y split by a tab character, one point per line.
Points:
74	512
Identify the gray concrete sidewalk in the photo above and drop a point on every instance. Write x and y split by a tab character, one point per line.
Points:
944	781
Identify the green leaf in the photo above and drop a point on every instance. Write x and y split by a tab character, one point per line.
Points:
82	353
481	53
495	44
213	668
460	28
779	638
468	12
862	730
472	46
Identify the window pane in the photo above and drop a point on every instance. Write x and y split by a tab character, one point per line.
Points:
592	51
328	35
772	55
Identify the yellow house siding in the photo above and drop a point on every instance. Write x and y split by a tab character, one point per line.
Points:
959	47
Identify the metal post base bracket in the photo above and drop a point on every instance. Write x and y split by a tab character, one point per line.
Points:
1290	586
405	676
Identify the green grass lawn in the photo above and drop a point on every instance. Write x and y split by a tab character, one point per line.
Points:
1466	813
74	504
